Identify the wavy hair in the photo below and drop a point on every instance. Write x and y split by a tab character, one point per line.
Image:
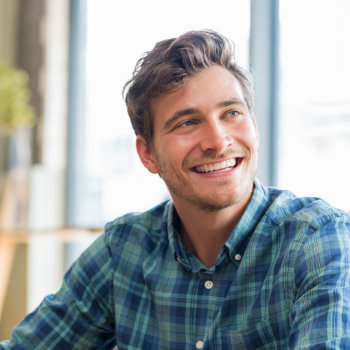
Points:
167	67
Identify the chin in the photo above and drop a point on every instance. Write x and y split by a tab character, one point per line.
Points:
213	204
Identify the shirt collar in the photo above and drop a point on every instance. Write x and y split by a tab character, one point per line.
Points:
237	241
173	228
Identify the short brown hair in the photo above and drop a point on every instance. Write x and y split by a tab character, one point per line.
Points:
170	64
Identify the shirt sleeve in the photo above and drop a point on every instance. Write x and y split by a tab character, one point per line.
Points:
79	315
320	315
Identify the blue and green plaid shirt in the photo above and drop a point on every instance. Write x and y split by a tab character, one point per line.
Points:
281	281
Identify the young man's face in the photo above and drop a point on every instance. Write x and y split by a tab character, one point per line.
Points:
205	141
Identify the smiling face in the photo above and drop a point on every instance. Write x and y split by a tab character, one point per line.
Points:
205	142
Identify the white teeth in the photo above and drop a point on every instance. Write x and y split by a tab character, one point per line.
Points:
223	166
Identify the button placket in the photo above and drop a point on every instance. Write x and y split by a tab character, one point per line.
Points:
199	344
238	257
208	284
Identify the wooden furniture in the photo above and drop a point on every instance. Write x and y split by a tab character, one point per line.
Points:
24	257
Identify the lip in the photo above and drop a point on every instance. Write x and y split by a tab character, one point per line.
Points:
221	166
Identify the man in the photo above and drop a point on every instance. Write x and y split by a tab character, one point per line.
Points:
228	263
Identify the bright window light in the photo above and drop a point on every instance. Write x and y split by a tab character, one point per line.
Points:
118	33
315	99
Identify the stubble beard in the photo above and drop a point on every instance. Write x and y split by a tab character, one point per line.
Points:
179	188
205	203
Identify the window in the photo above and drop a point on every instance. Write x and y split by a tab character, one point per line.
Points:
106	177
315	99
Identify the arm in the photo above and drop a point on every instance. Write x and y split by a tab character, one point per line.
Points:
80	315
320	316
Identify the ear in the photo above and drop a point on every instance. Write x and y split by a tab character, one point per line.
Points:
146	155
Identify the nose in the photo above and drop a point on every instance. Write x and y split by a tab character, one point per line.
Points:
216	137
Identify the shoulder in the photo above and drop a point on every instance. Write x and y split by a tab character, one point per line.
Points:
121	250
306	222
287	208
144	228
315	230
312	236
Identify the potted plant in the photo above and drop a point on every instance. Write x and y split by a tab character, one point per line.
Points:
15	108
16	117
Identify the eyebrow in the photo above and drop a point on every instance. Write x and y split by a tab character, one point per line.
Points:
177	115
189	111
230	102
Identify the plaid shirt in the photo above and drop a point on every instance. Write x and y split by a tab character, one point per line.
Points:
281	281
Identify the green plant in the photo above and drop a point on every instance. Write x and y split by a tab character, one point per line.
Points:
15	107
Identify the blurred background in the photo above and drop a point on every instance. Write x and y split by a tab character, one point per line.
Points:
67	158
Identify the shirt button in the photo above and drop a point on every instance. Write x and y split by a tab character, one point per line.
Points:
199	344
238	257
208	285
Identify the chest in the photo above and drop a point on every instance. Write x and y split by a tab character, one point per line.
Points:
170	308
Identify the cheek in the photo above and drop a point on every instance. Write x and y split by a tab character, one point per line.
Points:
169	154
179	148
247	134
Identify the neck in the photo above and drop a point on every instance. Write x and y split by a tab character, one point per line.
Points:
204	233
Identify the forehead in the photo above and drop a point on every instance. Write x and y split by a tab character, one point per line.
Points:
204	90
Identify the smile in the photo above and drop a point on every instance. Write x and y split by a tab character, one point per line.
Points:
225	165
